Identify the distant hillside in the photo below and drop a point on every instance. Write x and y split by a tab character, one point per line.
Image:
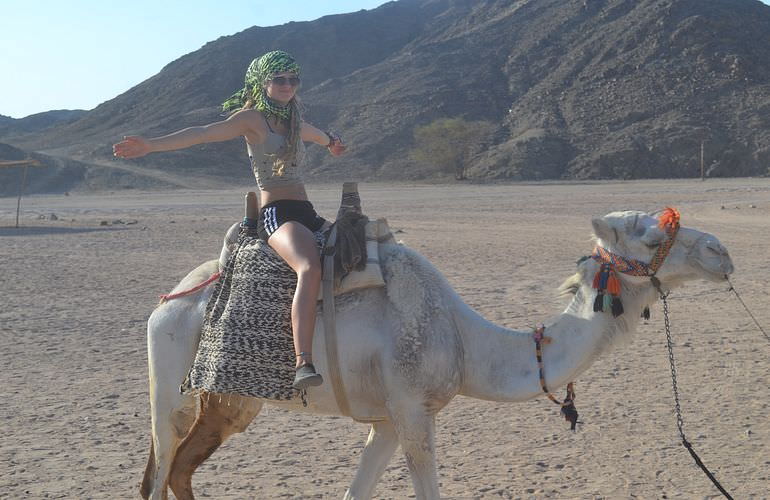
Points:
10	127
59	175
572	88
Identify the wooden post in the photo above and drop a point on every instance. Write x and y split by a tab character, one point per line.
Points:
702	170
21	190
29	162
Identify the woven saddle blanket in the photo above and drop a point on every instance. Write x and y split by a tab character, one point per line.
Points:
246	344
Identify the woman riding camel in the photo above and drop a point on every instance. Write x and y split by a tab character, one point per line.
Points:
269	118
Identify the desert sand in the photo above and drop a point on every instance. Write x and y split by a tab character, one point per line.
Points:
76	295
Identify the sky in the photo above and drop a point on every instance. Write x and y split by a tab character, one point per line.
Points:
76	54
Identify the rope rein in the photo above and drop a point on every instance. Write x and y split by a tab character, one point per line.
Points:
732	289
170	296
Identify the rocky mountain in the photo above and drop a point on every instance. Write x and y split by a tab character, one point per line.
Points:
570	88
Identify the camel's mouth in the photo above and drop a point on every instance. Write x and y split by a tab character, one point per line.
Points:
711	259
716	275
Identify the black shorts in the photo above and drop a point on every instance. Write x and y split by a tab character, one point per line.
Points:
275	214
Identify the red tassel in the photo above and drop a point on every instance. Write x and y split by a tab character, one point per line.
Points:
597	278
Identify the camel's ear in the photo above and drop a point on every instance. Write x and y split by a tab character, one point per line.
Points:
604	231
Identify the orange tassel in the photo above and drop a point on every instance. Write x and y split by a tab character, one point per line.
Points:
613	284
669	217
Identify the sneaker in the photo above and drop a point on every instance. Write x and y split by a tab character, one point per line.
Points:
306	377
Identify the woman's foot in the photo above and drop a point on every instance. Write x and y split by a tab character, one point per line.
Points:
306	377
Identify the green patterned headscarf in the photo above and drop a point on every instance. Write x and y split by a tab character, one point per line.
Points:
259	72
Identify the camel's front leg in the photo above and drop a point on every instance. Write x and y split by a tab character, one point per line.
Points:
416	433
379	448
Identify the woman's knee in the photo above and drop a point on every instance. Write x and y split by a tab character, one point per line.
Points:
309	269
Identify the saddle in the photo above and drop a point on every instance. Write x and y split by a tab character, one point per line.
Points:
244	347
352	239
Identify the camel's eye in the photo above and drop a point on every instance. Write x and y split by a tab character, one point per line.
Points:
652	245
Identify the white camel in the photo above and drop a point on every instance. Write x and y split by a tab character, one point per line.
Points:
409	348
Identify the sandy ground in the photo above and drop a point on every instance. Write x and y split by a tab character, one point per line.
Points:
76	295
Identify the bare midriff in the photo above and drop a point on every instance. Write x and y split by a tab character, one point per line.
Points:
293	192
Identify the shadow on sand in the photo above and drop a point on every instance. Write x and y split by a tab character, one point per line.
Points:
48	230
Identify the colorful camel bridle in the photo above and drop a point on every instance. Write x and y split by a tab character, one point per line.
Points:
608	289
606	281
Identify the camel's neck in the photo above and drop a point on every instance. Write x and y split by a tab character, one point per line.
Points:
500	364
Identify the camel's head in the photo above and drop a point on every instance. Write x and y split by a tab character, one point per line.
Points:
638	235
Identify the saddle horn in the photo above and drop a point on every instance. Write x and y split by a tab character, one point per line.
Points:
251	208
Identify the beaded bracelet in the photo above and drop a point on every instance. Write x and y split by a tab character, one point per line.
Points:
332	139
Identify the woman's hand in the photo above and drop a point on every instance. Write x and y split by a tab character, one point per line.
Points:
336	147
330	141
131	146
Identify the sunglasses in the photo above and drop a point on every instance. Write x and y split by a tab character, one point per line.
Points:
285	80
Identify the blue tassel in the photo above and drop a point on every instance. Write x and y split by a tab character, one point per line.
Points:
605	276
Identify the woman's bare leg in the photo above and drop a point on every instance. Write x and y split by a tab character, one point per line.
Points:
296	244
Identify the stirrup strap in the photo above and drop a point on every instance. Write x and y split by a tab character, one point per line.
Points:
330	330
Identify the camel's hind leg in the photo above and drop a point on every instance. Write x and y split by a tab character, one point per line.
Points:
149	472
378	451
172	340
168	429
219	418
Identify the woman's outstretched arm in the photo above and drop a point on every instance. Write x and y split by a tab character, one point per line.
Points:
243	123
310	133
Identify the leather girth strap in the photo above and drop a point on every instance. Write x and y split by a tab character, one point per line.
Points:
330	326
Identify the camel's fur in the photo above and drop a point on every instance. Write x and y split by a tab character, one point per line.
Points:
409	349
